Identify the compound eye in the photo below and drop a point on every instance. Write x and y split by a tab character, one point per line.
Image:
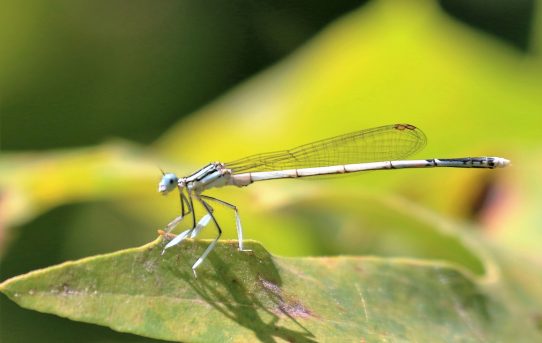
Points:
171	181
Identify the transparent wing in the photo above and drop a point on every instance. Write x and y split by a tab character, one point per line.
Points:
382	143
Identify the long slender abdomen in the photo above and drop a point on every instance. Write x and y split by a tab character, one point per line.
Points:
245	179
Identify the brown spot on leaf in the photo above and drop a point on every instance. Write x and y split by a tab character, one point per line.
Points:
295	309
270	286
286	304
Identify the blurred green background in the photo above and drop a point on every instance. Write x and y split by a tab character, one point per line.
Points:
94	96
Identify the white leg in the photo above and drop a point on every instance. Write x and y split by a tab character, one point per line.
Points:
213	243
203	222
190	232
178	239
204	255
237	219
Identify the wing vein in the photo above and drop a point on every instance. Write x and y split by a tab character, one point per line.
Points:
382	143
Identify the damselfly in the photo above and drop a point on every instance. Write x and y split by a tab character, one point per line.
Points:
372	149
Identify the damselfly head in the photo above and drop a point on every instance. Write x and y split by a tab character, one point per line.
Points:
168	183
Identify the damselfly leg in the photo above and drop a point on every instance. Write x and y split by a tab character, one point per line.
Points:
190	233
169	227
237	219
213	243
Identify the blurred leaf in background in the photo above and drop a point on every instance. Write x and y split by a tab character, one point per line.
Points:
74	74
77	72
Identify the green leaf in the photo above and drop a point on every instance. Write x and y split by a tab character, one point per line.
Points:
247	296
